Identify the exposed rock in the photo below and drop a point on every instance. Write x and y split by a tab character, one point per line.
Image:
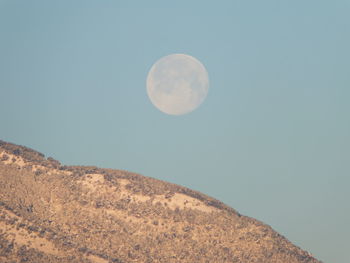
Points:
55	213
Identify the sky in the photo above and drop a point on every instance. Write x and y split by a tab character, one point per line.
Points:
272	138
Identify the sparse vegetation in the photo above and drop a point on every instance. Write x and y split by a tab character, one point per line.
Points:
54	213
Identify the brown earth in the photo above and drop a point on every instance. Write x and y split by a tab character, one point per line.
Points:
55	213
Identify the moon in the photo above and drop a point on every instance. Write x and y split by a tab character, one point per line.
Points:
177	84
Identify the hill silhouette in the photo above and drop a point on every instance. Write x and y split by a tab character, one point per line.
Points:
55	213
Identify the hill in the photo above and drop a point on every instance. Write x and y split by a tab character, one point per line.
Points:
55	213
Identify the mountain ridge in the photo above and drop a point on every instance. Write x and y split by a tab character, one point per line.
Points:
56	213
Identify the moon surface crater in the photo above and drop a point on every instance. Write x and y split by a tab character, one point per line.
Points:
177	84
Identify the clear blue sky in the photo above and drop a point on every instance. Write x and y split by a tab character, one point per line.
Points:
272	139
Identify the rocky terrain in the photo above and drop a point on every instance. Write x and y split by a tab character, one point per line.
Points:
55	213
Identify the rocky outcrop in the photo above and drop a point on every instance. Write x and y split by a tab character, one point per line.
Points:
55	213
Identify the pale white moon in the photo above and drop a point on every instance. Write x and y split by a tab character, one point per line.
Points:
177	84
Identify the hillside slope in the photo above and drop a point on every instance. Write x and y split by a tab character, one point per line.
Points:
55	213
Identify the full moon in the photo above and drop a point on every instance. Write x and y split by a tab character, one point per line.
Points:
177	84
